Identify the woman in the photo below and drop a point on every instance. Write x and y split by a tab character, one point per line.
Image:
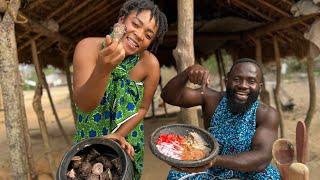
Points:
115	80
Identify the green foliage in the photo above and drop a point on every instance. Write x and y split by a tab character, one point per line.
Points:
211	64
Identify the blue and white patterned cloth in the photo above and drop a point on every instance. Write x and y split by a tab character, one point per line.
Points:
234	134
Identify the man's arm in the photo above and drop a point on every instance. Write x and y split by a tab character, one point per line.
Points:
177	93
261	154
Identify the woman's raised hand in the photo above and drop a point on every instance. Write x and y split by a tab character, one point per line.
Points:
111	55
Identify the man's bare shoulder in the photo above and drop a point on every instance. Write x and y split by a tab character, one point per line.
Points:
212	97
267	114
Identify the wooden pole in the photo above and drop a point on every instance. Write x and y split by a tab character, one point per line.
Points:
184	52
68	74
37	106
164	103
43	127
223	67
265	95
219	71
12	93
277	89
44	83
312	84
1	100
32	167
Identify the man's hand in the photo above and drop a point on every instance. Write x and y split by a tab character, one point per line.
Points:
123	143
198	75
111	55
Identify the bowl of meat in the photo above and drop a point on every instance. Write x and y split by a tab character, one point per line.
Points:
182	145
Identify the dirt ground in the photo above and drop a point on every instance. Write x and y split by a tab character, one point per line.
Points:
296	87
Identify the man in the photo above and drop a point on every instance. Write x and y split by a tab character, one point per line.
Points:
244	127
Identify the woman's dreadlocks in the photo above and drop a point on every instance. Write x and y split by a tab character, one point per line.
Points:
160	18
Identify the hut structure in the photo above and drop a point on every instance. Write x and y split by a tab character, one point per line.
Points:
45	32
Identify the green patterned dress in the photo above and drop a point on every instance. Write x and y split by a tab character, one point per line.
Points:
120	102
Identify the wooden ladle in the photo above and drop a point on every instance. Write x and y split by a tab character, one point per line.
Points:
283	154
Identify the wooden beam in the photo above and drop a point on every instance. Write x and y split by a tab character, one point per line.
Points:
206	37
35	4
278	25
34	26
85	14
252	9
86	21
280	11
58	10
98	20
74	10
29	41
46	44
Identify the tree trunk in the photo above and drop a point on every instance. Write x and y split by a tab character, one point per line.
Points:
312	84
32	167
184	52
12	94
43	82
68	74
43	127
277	89
265	95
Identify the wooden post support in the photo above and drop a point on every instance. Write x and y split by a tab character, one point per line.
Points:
184	52
1	100
277	89
68	74
312	85
37	106
219	70
43	127
43	81
12	93
164	103
265	95
223	67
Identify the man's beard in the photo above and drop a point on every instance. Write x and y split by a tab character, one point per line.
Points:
237	107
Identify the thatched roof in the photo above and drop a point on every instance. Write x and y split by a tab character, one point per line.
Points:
229	24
